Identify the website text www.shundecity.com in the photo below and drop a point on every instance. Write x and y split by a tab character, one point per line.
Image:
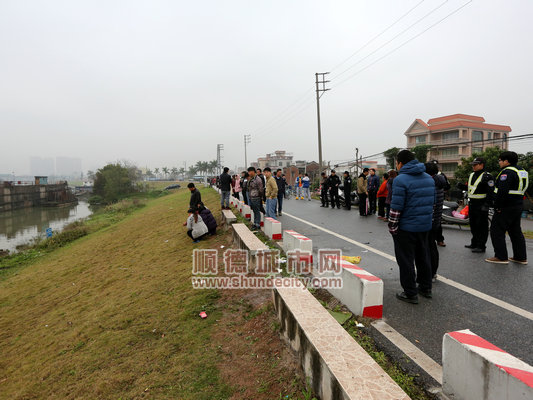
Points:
267	267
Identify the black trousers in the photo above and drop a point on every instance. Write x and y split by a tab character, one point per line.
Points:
411	248
362	204
433	249
438	232
348	199
324	197
508	220
479	225
381	206
334	194
372	201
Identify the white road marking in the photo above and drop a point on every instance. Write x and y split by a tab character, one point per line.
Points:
457	285
414	353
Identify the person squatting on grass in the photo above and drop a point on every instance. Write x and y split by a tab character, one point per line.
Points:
196	228
208	218
410	221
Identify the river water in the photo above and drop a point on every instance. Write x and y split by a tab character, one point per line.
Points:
21	226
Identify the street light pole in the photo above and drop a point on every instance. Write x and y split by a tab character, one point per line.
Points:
319	92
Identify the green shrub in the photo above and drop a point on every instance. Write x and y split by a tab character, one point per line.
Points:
95	199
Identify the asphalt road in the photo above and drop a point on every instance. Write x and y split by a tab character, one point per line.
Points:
451	308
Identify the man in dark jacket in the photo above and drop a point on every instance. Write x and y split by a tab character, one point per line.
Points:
196	197
333	185
510	186
280	181
373	187
347	188
263	179
225	187
440	183
255	196
413	196
324	190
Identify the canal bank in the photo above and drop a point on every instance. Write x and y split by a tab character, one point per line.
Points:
16	196
21	226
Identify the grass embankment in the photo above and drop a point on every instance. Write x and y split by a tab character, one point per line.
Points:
112	315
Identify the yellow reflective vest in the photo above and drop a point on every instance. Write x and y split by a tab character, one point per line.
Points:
523	179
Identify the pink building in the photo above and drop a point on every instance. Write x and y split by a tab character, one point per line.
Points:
456	136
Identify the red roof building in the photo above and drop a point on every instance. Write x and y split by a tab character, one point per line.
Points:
456	136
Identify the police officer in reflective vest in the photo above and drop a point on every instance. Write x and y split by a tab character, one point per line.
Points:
511	185
480	189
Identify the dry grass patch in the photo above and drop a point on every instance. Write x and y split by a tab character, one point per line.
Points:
113	315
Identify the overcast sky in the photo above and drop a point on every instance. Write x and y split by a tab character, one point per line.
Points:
161	83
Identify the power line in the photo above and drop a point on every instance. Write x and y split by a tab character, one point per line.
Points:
281	114
403	44
280	119
377	36
390	40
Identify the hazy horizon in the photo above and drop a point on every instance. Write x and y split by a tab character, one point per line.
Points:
161	83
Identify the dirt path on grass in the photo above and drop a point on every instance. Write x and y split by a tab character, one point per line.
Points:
253	359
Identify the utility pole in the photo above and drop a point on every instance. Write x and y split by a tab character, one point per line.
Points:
357	160
319	92
220	147
247	140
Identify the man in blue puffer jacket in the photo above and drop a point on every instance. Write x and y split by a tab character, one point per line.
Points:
413	196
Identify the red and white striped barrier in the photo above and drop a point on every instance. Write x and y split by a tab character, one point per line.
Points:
475	369
262	217
246	211
272	228
292	240
361	291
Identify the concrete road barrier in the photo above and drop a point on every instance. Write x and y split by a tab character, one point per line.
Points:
262	217
272	228
335	364
245	239
292	240
361	291
475	369
246	211
228	217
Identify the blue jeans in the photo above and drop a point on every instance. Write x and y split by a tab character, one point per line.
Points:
271	208
255	204
306	193
224	199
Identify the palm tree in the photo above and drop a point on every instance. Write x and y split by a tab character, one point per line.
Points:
192	171
213	165
165	171
156	171
181	172
174	172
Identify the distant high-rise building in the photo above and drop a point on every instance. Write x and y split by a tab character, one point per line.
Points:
43	166
68	166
